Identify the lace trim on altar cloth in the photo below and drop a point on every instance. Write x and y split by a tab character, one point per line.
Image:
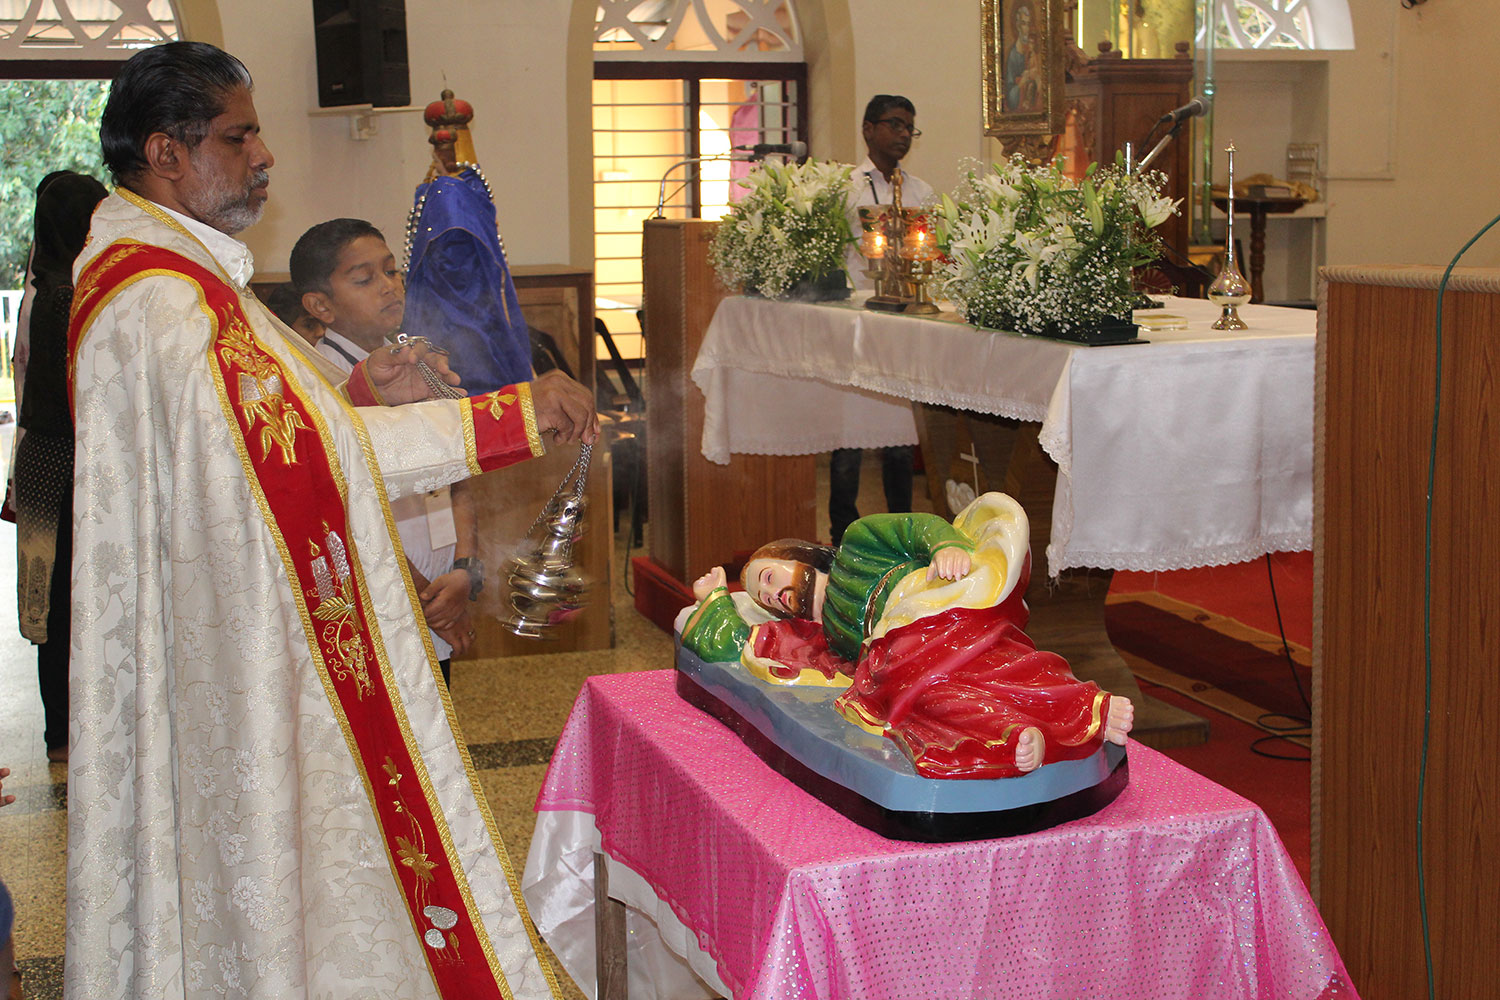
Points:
1059	561
899	390
974	402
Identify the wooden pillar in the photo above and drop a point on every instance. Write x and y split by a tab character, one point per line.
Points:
1377	368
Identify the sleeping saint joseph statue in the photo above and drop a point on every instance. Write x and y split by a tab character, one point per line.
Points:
921	621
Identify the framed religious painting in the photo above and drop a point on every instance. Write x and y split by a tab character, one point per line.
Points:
1023	62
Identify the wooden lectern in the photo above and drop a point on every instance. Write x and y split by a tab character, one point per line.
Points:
702	514
1377	363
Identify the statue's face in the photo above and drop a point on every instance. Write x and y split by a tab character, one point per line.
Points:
774	584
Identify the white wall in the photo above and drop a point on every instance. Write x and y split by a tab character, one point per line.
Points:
508	59
1413	124
511	60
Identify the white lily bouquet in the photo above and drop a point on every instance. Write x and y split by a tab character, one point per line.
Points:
1028	249
786	238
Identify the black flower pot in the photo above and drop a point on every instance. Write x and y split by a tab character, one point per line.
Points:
830	287
1106	331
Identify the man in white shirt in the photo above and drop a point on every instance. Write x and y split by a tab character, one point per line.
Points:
267	793
889	127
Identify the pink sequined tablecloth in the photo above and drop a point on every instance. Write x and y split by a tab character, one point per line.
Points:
1178	889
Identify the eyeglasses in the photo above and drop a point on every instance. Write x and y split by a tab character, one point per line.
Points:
897	125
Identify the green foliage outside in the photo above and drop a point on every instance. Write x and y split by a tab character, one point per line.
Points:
45	125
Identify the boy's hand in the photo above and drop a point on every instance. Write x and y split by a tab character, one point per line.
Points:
6	800
393	370
565	408
460	634
446	599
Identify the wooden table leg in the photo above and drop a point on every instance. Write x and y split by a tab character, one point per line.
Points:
609	937
1257	252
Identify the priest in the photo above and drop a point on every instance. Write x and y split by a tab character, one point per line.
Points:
268	795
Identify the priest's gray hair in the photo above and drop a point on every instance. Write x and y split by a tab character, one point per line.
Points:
178	89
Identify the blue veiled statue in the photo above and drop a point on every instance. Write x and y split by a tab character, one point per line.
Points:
459	292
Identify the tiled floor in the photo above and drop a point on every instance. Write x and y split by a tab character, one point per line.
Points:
511	712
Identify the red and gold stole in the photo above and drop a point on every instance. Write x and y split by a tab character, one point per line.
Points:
295	474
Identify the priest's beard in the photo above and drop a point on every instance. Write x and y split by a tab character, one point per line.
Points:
227	207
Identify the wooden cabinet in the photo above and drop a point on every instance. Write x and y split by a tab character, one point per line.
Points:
559	300
1112	101
1377	368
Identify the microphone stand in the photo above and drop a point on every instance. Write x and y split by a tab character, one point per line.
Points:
1156	150
1142	300
661	193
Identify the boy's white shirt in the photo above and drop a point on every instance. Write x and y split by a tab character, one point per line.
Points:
424	521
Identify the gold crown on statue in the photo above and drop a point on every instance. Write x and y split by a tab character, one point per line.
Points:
448	111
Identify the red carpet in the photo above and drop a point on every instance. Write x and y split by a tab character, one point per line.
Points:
1216	630
1241	591
1255	671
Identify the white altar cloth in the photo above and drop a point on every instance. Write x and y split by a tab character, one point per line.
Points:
1194	449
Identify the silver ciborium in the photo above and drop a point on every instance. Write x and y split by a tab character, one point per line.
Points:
546	588
1230	290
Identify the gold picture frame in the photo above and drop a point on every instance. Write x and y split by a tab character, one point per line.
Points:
1023	67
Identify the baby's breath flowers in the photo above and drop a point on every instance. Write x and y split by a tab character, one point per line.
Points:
1028	249
790	226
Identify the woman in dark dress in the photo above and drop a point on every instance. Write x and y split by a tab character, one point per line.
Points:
44	458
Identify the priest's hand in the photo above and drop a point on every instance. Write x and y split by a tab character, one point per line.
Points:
393	371
565	408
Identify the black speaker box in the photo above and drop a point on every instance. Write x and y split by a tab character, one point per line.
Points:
361	46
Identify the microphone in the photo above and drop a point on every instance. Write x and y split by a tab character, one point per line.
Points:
796	150
1192	109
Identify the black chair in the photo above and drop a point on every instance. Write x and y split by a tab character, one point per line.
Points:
619	396
1165	275
545	354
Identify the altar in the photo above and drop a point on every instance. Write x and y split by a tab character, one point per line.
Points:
1177	889
1193	448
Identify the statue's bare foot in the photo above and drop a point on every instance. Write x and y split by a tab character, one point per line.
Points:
1119	720
1029	749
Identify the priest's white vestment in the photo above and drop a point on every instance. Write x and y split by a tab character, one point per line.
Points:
232	829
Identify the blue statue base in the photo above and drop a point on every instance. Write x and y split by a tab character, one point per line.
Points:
867	778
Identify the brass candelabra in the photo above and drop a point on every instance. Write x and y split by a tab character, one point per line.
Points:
901	248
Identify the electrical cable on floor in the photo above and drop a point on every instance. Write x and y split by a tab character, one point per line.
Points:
1437	409
630	529
1301	726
